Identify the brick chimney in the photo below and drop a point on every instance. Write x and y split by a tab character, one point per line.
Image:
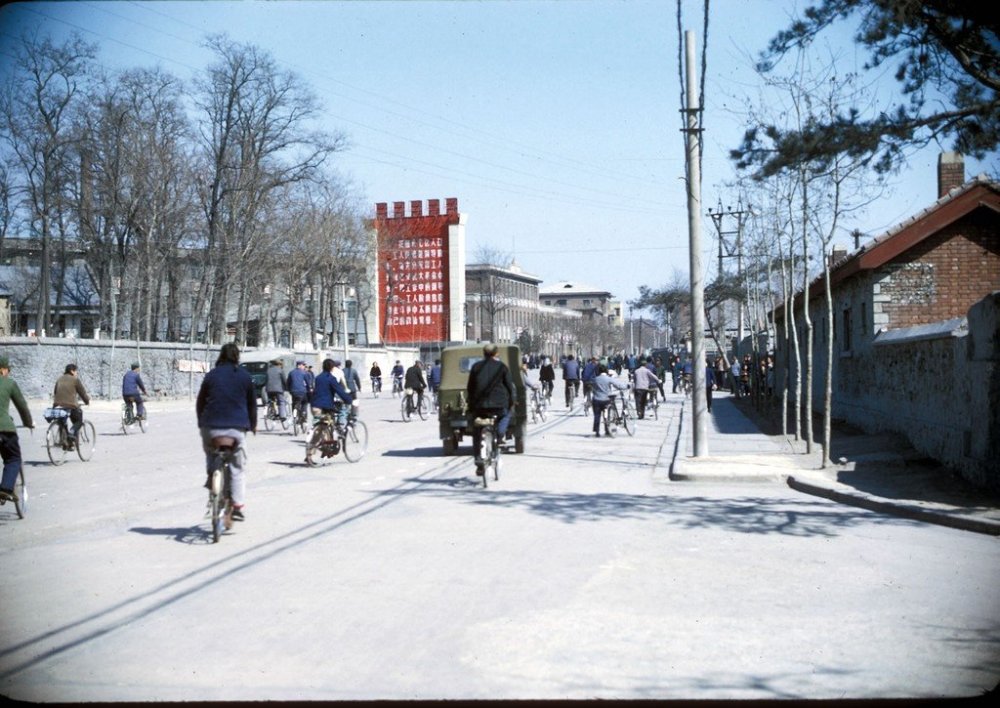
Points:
951	172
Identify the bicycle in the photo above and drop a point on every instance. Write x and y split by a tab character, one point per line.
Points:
376	386
653	403
587	398
614	417
272	417
129	418
21	492
686	385
58	441
329	437
490	446
220	503
412	403
300	418
538	406
397	385
547	387
571	392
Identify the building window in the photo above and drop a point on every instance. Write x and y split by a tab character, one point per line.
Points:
586	302
561	303
845	341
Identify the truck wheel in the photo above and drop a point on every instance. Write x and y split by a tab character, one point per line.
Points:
449	446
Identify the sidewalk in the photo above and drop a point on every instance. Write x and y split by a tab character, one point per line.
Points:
877	472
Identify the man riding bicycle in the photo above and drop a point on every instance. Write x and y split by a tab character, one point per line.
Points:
415	382
10	448
490	392
67	391
397	375
276	386
571	375
298	386
324	398
133	390
227	407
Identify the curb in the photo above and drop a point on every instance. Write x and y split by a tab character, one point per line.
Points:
942	517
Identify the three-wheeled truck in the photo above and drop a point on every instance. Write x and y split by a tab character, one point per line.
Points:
454	417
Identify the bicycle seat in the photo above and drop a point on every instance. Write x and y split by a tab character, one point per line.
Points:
224	442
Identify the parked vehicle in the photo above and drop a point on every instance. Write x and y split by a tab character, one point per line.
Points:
454	417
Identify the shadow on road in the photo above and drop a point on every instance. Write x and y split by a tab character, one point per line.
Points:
414	452
191	535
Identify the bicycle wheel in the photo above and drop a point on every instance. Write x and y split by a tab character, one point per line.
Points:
627	421
298	424
355	441
610	416
216	505
497	456
86	440
423	410
487	452
541	410
54	443
315	441
284	423
268	419
21	489
142	421
404	409
125	419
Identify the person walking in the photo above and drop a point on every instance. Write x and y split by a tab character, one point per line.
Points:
68	393
133	389
709	382
227	407
352	378
10	446
645	379
600	395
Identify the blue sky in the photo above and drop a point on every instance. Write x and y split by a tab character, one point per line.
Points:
555	124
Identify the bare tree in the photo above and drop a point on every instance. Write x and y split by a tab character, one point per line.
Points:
493	292
255	140
38	108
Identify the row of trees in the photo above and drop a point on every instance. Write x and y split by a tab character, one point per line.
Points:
189	202
817	151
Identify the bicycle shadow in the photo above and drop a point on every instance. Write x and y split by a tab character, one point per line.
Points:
415	452
191	535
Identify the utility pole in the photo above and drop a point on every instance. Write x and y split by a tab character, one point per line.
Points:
692	111
732	250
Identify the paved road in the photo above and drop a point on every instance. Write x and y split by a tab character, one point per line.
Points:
584	573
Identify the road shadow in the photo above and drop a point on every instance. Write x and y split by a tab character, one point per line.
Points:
415	452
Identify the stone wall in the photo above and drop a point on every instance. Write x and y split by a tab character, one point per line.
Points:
168	369
938	384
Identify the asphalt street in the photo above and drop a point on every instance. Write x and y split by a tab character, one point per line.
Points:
584	572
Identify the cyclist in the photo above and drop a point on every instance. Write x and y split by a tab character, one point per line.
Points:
547	376
352	378
397	375
276	386
645	380
133	389
571	375
324	399
376	376
227	406
415	381
600	394
10	447
298	386
490	392
68	390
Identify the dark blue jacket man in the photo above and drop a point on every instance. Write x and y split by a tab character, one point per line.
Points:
134	388
227	406
328	389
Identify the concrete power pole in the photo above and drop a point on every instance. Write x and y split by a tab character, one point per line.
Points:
692	111
731	251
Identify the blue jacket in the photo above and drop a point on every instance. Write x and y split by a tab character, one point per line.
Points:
328	389
571	370
434	377
589	371
227	399
298	382
132	384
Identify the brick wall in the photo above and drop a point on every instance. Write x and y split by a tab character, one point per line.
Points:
943	276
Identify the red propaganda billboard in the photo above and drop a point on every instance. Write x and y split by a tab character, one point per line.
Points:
413	262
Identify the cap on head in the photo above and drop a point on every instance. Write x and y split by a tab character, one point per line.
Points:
4	362
135	365
490	349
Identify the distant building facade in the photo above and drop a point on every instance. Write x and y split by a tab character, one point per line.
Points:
501	303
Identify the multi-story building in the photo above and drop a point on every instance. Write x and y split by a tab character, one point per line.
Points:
501	303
